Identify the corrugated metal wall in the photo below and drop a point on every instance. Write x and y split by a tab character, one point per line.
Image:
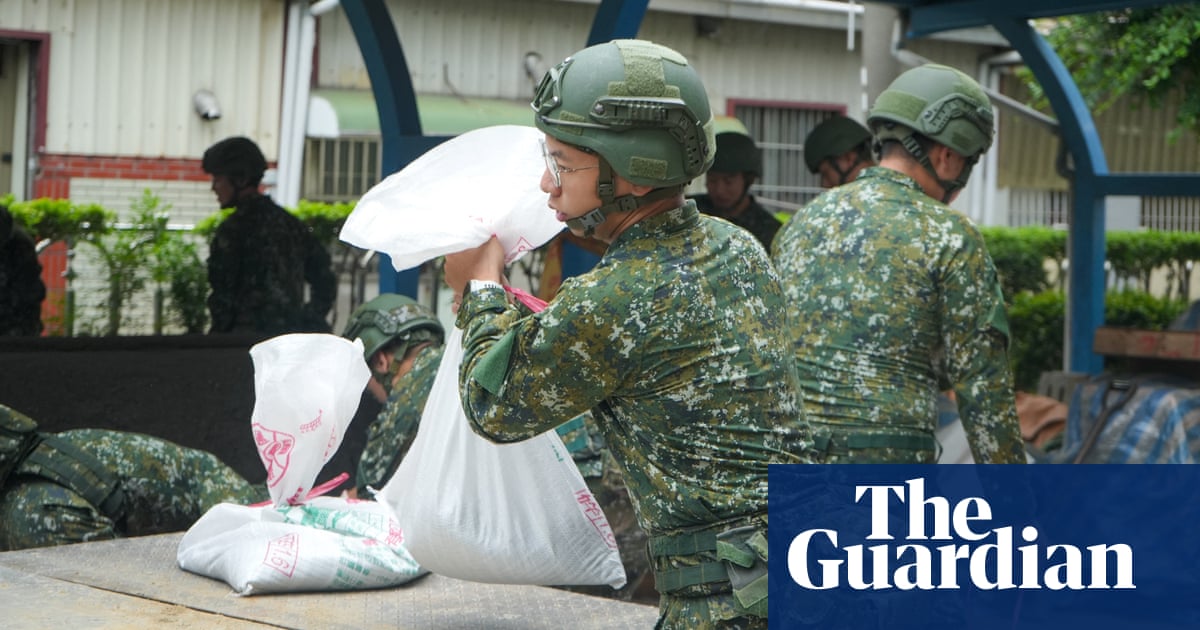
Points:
477	48
122	72
1134	140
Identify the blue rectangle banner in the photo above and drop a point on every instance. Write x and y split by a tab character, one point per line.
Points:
984	546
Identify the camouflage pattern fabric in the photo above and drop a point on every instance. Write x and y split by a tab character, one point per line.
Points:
896	297
21	286
260	258
391	434
754	219
672	342
167	488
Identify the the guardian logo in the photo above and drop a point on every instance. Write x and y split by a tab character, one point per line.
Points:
954	548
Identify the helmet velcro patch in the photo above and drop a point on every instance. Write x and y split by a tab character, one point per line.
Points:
647	167
567	116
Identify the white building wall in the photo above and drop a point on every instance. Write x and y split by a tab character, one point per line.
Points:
123	72
477	48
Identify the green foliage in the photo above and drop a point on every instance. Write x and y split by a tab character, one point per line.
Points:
324	219
175	261
146	251
125	253
62	220
1037	321
1136	309
208	225
1145	53
1020	255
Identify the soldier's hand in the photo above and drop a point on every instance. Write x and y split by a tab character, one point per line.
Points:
485	262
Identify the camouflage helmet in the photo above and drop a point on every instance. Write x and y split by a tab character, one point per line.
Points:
737	153
832	138
238	158
639	105
391	317
938	102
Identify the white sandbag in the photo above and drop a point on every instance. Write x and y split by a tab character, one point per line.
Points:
513	514
306	390
456	196
324	544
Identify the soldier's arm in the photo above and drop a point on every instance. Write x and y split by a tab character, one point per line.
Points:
524	375
322	282
977	338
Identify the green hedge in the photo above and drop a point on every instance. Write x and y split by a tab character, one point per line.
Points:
1037	321
149	251
1036	303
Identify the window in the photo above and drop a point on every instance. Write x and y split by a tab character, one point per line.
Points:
779	130
340	169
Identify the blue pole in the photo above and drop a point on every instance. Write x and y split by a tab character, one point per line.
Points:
1085	244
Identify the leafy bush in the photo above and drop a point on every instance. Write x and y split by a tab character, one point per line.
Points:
1037	322
1020	255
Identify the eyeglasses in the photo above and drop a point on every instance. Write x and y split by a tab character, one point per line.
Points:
555	169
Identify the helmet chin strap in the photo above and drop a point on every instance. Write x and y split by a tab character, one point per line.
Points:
606	190
949	186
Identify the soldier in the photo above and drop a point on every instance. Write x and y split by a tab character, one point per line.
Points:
738	164
91	484
839	149
21	286
402	343
897	292
261	256
671	340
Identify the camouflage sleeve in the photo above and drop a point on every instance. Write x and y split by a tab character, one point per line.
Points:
223	275
976	337
525	375
322	282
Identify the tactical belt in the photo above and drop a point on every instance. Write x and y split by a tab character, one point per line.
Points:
692	543
858	437
53	459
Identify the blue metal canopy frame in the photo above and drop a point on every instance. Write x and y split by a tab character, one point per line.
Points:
1092	181
399	120
403	140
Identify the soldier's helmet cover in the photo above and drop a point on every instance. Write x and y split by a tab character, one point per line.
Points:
737	153
832	138
938	102
238	158
639	105
390	317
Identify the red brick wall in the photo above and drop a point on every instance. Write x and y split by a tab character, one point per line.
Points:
54	181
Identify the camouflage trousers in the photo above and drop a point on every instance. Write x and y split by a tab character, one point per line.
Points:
703	603
166	487
609	490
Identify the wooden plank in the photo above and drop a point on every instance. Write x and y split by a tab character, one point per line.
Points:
145	568
34	602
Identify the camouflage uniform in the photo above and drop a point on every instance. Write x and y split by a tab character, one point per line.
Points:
260	259
755	219
897	297
166	488
672	343
21	286
391	434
